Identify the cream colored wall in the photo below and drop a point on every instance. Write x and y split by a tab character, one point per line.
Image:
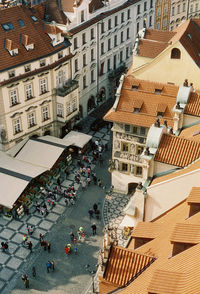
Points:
160	167
164	69
163	196
121	180
140	61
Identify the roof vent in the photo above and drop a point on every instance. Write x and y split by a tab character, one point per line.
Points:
158	91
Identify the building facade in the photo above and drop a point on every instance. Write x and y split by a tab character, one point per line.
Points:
37	93
162	14
102	35
178	13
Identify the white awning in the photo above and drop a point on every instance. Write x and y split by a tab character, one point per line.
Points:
40	152
128	221
77	139
55	140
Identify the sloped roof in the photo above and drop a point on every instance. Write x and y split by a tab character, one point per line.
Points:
146	230
191	133
146	94
124	264
95	5
150	49
55	13
52	29
177	151
193	104
194	196
186	233
68	5
158	35
32	28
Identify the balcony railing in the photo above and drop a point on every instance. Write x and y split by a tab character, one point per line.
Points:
128	156
67	88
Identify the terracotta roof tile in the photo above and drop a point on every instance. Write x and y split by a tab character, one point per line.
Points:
191	133
95	5
193	105
158	35
194	196
186	233
151	49
55	13
124	264
68	5
146	230
146	93
52	29
177	151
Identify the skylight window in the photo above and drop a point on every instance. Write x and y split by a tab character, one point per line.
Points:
8	26
189	36
21	23
34	18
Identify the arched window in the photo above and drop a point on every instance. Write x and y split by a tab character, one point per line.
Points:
175	53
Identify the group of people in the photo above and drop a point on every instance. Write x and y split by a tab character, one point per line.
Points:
95	211
4	247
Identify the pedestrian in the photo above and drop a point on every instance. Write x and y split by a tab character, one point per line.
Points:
26	282
48	265
6	247
30	245
41	237
90	211
53	266
58	182
44	245
101	161
94	228
49	247
67	250
72	236
83	184
88	181
24	239
34	271
3	246
99	183
97	213
75	240
95	207
26	210
75	250
24	277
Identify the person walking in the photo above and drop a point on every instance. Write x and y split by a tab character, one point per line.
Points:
3	246
67	250
75	240
95	207
44	244
26	282
49	247
48	265
41	237
24	239
72	236
90	211
30	245
75	250
53	266
94	228
34	271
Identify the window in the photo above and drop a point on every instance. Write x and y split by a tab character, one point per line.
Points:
173	11
59	110
92	54
27	67
140	150
84	59
124	147
29	91
92	76
83	39
108	64
127	55
121	56
8	26
144	23
82	16
138	9
151	4
138	27
178	8
196	7
122	37
75	43
60	55
142	131
115	40
124	167
45	113
74	104
102	28
128	14
164	23
31	120
122	17
21	23
84	82
13	97
68	108
165	10
76	65
158	12
128	33
157	25
43	86
109	44
150	21
183	7
191	8
145	6
127	128
135	130
60	79
17	126
116	20
175	53
92	34
42	62
34	18
102	48
138	170
110	24
11	73
115	61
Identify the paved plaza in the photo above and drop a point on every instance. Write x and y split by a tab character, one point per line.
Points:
73	274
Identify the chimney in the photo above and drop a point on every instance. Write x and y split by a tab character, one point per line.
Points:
157	123
185	84
165	123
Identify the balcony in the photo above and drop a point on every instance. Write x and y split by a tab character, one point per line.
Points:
117	72
67	88
128	156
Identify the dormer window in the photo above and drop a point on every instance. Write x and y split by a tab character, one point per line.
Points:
27	68
137	105
30	47
135	86
158	91
34	18
27	42
42	62
60	55
11	73
161	108
14	52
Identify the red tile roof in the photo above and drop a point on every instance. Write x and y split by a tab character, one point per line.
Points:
150	49
186	233
33	29
193	105
194	196
158	35
177	151
55	13
146	230
95	5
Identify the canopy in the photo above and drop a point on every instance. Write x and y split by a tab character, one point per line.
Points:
41	152
77	139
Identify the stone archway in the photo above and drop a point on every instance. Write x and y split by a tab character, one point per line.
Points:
91	104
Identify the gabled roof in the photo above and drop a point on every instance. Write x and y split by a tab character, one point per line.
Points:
52	29
149	102
95	5
146	230
194	196
24	21
177	151
193	105
186	233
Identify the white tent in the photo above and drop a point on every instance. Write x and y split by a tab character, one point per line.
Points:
77	139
